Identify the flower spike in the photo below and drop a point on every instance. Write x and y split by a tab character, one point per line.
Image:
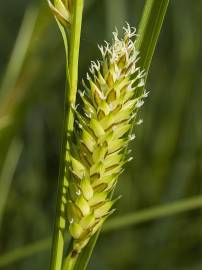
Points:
112	95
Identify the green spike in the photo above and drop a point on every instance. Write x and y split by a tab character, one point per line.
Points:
110	102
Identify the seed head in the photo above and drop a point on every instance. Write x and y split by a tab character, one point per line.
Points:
111	98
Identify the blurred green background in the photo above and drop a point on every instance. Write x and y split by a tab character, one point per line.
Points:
167	163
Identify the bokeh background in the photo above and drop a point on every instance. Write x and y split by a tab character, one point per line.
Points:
167	164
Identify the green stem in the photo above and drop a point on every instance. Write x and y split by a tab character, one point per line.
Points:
74	48
70	99
69	262
73	66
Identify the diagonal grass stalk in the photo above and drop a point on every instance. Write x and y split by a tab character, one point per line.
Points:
24	252
7	173
152	213
18	55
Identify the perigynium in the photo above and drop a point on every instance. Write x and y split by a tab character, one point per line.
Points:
111	97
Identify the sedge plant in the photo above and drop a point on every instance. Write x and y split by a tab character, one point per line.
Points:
96	133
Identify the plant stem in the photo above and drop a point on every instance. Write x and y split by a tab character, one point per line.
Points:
74	48
73	65
70	99
69	262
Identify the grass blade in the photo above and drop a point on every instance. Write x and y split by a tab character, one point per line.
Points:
24	252
149	30
7	173
19	53
153	213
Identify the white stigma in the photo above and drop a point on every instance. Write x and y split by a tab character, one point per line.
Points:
139	103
